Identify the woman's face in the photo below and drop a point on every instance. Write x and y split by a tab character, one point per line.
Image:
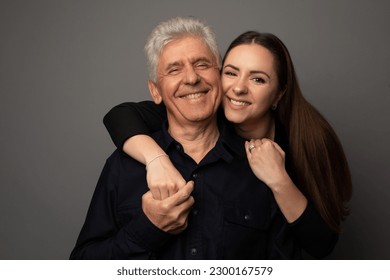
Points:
250	85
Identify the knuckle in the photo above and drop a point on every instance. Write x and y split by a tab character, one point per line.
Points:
171	186
165	206
145	196
155	185
267	142
181	182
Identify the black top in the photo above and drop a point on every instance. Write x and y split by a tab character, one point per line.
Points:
234	216
309	231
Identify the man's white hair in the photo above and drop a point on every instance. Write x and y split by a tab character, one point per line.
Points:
173	29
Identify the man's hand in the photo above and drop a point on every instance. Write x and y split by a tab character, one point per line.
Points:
170	214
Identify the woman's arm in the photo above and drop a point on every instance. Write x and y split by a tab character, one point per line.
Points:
131	118
163	178
129	125
267	161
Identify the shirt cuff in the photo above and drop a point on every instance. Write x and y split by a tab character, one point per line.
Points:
146	234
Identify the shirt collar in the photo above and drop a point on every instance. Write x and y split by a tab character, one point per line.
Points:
228	146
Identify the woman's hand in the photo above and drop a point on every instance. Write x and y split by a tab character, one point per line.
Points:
267	161
163	178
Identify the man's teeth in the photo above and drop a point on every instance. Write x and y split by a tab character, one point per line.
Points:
239	103
193	95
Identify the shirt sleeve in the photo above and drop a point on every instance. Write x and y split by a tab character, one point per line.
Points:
131	118
313	234
103	238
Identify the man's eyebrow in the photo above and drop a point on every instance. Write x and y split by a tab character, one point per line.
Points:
201	59
173	64
193	61
251	72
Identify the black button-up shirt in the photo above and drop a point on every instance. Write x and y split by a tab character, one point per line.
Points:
234	216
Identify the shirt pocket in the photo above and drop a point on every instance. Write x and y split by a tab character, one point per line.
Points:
245	231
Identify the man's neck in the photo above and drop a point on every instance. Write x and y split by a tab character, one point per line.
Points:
197	139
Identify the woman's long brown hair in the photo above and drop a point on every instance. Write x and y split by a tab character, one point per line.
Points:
320	166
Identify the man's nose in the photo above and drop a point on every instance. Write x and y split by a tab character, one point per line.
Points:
191	77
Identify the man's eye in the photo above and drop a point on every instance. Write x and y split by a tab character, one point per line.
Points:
202	66
173	71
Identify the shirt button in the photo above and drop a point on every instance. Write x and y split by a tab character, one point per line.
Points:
195	175
195	212
247	217
178	147
194	251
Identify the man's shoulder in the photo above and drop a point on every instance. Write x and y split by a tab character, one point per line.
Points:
115	155
119	158
123	169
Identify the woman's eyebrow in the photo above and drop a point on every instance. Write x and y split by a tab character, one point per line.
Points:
260	72
232	66
251	72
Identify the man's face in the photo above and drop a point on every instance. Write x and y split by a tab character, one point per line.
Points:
188	81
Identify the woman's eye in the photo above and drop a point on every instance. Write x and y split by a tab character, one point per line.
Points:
229	73
259	80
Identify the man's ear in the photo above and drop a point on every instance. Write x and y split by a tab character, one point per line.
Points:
154	92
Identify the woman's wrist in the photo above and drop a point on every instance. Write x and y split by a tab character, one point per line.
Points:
142	148
154	158
280	183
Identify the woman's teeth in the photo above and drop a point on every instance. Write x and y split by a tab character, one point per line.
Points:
239	103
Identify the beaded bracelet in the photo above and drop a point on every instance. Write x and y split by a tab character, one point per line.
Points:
156	157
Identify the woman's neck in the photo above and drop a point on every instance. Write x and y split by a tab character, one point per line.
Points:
257	130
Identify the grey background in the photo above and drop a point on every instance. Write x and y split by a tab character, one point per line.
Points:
64	64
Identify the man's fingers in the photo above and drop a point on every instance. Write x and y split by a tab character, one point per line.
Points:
183	194
174	187
164	193
156	194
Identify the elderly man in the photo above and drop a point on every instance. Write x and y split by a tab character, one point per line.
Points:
224	211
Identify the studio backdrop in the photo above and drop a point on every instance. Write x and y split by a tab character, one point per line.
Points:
64	64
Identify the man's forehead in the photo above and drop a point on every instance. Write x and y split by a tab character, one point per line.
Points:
190	59
186	49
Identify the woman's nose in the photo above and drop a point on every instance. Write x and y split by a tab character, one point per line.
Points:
240	88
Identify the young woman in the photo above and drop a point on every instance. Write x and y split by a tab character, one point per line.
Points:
290	146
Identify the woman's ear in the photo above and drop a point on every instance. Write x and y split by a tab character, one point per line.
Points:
280	95
154	92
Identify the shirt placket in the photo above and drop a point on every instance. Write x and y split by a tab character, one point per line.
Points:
195	244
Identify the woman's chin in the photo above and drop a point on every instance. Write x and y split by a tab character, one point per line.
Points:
234	117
